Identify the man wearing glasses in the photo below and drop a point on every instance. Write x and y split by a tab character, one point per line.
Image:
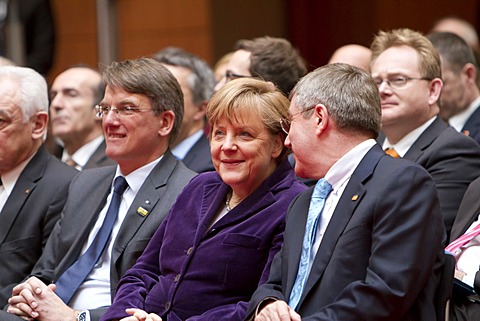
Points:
270	59
406	69
111	212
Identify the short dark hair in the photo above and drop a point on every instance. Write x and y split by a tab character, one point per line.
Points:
453	49
202	80
275	60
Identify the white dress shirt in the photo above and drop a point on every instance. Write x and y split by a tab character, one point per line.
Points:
83	154
94	292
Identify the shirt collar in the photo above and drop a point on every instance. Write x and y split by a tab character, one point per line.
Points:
181	150
459	120
136	178
407	141
83	154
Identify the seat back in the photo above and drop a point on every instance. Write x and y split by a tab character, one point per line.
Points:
445	286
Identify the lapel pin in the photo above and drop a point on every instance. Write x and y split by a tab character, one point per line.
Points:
27	191
147	202
354	197
142	211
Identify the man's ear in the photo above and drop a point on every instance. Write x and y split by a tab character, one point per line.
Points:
167	119
321	115
40	124
435	90
202	109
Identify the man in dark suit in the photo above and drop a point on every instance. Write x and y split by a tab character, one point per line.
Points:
74	94
197	81
34	184
465	308
376	247
27	33
460	94
141	111
406	68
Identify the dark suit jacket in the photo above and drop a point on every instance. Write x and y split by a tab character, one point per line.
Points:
452	159
37	21
381	254
29	216
99	158
87	196
462	309
216	277
199	158
472	126
468	210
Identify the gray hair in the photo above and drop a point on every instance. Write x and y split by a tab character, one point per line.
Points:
32	89
349	93
202	79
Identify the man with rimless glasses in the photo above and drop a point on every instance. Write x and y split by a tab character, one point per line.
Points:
111	212
407	71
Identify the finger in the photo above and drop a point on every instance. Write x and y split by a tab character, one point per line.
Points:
154	317
22	310
29	298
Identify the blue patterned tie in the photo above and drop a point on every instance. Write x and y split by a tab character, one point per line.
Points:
322	188
71	279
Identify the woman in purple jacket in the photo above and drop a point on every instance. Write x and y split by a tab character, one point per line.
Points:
219	239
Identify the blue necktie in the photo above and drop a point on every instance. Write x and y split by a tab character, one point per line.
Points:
322	188
71	279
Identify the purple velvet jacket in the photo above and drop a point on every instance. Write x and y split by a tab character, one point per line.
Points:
189	272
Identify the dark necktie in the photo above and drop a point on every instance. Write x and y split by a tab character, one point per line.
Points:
317	202
73	277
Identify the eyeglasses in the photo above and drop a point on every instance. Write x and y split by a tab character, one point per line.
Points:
285	123
103	110
231	76
397	81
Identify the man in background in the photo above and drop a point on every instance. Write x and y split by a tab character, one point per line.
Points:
33	183
197	81
73	96
270	59
460	95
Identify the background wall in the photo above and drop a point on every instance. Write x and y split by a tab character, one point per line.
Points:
209	28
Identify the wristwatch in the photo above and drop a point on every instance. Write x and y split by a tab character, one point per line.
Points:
82	316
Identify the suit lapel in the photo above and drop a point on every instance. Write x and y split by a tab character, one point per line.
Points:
26	183
425	139
350	199
89	213
147	198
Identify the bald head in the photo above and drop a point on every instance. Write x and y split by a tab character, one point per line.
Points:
354	55
459	27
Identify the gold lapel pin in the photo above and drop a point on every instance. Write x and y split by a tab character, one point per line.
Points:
142	211
27	191
354	197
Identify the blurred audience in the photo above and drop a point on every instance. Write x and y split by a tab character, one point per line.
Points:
267	58
197	82
460	96
27	33
73	96
354	55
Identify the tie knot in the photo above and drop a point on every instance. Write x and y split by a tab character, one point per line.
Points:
120	185
392	152
322	188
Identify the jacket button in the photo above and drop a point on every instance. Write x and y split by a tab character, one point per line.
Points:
190	250
177	277
167	305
